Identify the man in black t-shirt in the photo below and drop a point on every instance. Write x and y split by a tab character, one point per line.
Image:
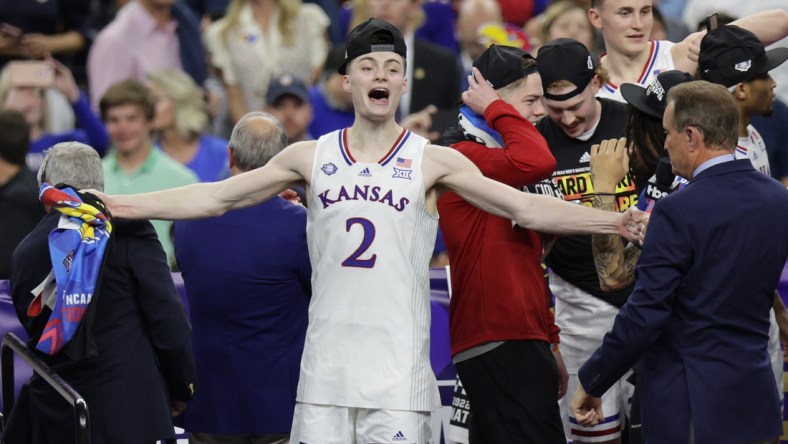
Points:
584	311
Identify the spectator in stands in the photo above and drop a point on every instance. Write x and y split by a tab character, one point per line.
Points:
146	35
36	30
181	122
471	16
438	25
248	370
131	356
135	163
18	189
567	19
288	102
26	95
332	106
258	40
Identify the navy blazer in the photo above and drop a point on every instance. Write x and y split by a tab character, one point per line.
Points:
247	276
142	335
698	318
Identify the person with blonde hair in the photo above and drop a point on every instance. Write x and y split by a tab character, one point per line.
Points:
181	122
259	39
567	19
26	95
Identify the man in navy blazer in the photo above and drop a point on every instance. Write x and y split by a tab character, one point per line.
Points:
697	322
248	291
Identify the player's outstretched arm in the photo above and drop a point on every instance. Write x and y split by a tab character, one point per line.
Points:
448	168
769	26
293	164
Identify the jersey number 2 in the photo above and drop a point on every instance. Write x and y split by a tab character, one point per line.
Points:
354	260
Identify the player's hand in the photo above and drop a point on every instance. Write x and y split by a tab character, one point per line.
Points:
693	50
292	196
609	164
480	93
586	409
633	225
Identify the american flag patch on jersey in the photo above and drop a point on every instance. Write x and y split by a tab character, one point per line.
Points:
404	163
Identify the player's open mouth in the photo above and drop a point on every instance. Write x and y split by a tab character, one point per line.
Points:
379	95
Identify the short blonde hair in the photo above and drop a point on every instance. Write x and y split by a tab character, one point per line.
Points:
191	115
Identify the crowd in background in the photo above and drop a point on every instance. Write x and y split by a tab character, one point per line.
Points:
207	63
157	86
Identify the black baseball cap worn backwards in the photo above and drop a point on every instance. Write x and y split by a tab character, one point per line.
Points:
653	99
502	65
374	35
565	59
730	55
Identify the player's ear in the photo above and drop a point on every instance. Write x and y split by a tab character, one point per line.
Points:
593	17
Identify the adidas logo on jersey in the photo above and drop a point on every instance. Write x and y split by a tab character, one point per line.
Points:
585	158
399	437
365	173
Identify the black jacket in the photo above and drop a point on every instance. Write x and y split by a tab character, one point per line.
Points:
142	336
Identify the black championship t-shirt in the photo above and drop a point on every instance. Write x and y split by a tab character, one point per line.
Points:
571	256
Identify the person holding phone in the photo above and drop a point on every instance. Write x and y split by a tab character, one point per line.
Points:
23	86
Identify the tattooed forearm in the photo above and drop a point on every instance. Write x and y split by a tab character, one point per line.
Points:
615	263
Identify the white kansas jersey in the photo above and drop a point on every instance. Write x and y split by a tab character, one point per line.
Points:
659	59
370	241
753	147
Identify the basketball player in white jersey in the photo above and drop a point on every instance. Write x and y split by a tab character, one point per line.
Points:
365	373
631	57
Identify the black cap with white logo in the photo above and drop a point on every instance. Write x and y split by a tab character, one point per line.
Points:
653	99
731	55
374	35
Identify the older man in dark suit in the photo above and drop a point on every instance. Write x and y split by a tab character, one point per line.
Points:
698	318
131	356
